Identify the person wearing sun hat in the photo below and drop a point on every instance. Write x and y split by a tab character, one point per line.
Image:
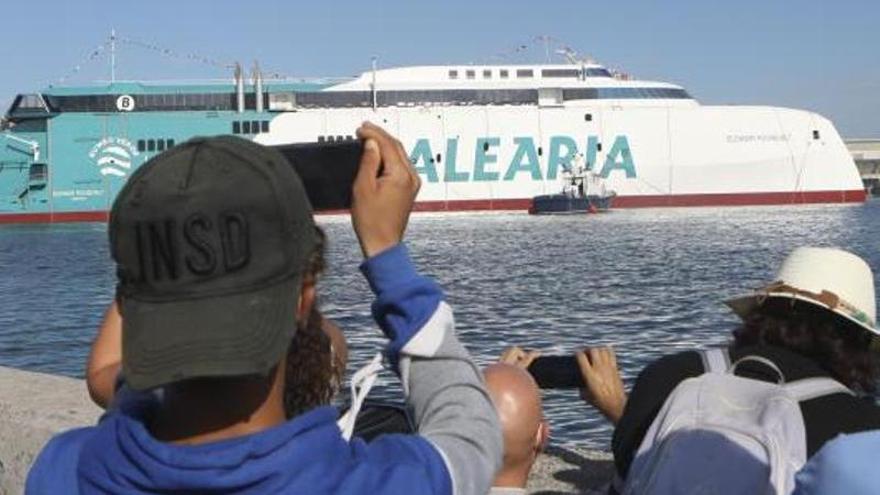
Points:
846	464
827	278
815	318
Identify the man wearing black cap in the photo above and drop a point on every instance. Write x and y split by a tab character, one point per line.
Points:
210	241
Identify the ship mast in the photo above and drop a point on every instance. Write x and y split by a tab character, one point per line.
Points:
113	55
546	40
373	84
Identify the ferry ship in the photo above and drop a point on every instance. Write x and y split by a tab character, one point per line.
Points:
481	136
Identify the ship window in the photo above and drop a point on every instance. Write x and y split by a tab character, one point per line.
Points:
453	74
598	146
236	127
264	126
525	73
246	127
169	143
340	139
623	93
596	72
470	74
588	117
30	101
255	126
151	145
39	172
504	74
487	74
815	134
160	145
560	73
321	139
142	145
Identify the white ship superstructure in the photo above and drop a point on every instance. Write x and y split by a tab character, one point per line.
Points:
494	136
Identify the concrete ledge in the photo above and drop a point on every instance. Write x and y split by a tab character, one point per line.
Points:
564	470
35	406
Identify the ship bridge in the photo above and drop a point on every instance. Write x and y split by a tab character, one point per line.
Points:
488	77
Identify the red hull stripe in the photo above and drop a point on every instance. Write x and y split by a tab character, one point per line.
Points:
732	199
58	217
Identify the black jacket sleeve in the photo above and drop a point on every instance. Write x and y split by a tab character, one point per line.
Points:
652	387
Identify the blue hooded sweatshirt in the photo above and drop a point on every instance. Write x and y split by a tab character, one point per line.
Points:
845	465
304	455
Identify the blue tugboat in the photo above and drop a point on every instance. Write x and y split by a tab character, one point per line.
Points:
583	191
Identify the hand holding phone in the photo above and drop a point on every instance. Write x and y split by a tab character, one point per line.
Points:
519	357
604	385
384	191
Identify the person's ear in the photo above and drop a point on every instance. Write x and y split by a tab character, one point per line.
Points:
306	301
542	436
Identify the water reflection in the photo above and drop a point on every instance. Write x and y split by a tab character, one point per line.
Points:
649	282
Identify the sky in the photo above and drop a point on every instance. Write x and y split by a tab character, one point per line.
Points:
818	55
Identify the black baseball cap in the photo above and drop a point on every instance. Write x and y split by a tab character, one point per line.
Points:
210	241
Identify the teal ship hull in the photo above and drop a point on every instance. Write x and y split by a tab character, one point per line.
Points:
66	152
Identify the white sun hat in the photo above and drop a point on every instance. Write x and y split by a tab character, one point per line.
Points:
832	279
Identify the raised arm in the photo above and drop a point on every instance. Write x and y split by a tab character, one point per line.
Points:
443	385
105	358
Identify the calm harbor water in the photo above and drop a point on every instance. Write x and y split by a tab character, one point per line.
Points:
648	282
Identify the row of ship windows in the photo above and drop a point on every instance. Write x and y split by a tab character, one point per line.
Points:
337	99
148	103
529	73
250	126
335	139
154	144
107	103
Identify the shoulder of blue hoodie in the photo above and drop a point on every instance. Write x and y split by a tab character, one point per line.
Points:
847	464
458	448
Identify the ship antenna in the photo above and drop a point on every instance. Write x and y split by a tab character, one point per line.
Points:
546	40
570	55
373	83
112	55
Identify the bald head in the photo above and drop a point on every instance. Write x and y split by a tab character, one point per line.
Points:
518	401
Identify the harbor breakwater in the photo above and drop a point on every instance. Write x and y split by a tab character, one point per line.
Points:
35	406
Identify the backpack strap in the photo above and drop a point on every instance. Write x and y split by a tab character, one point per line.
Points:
760	360
813	388
715	360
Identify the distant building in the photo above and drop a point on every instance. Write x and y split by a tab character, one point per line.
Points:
866	153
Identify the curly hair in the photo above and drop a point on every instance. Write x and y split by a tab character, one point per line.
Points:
840	348
311	375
